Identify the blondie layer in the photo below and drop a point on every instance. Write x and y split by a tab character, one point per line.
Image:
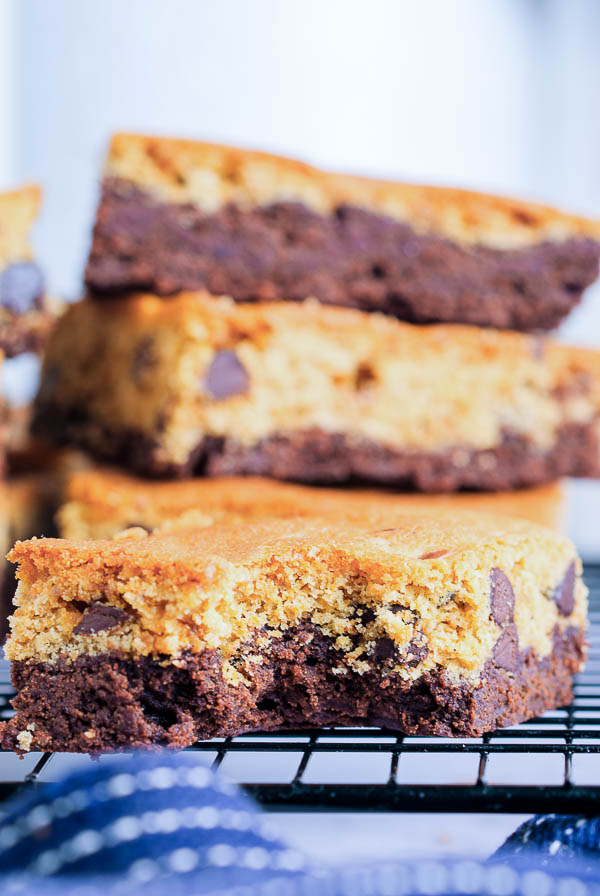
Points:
445	623
182	215
317	394
100	503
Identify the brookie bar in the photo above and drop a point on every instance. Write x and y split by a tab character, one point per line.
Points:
305	392
449	624
183	215
99	503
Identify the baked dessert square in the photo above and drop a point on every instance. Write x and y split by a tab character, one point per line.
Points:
180	215
26	311
444	624
305	392
101	502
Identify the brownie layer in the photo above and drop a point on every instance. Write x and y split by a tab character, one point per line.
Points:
108	702
352	257
318	457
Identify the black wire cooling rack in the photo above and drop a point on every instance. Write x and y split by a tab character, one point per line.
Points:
549	764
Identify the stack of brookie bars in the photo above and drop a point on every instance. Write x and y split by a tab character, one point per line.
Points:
250	319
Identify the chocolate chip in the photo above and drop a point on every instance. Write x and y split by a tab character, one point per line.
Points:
385	649
364	377
144	358
226	376
396	608
506	649
502	598
21	285
365	615
564	593
411	655
98	617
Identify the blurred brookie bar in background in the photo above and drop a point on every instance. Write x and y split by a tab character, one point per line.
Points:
101	502
185	215
27	313
317	394
445	624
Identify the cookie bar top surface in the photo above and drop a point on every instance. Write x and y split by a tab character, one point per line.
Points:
212	175
100	502
443	587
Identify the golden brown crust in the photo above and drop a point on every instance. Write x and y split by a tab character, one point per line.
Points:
100	502
18	211
210	175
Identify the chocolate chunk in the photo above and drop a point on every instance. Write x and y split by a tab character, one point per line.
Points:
21	285
364	377
365	615
506	650
226	376
411	655
144	358
396	608
564	593
385	649
502	598
98	617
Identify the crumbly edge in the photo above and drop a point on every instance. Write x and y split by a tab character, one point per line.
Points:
210	175
481	383
444	607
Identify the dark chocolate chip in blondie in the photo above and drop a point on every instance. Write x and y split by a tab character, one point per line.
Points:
226	376
99	617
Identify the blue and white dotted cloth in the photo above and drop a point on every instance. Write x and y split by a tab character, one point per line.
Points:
162	824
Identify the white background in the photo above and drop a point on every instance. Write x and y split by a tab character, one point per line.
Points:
492	94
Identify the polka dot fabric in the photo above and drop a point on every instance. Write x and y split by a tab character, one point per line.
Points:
163	824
